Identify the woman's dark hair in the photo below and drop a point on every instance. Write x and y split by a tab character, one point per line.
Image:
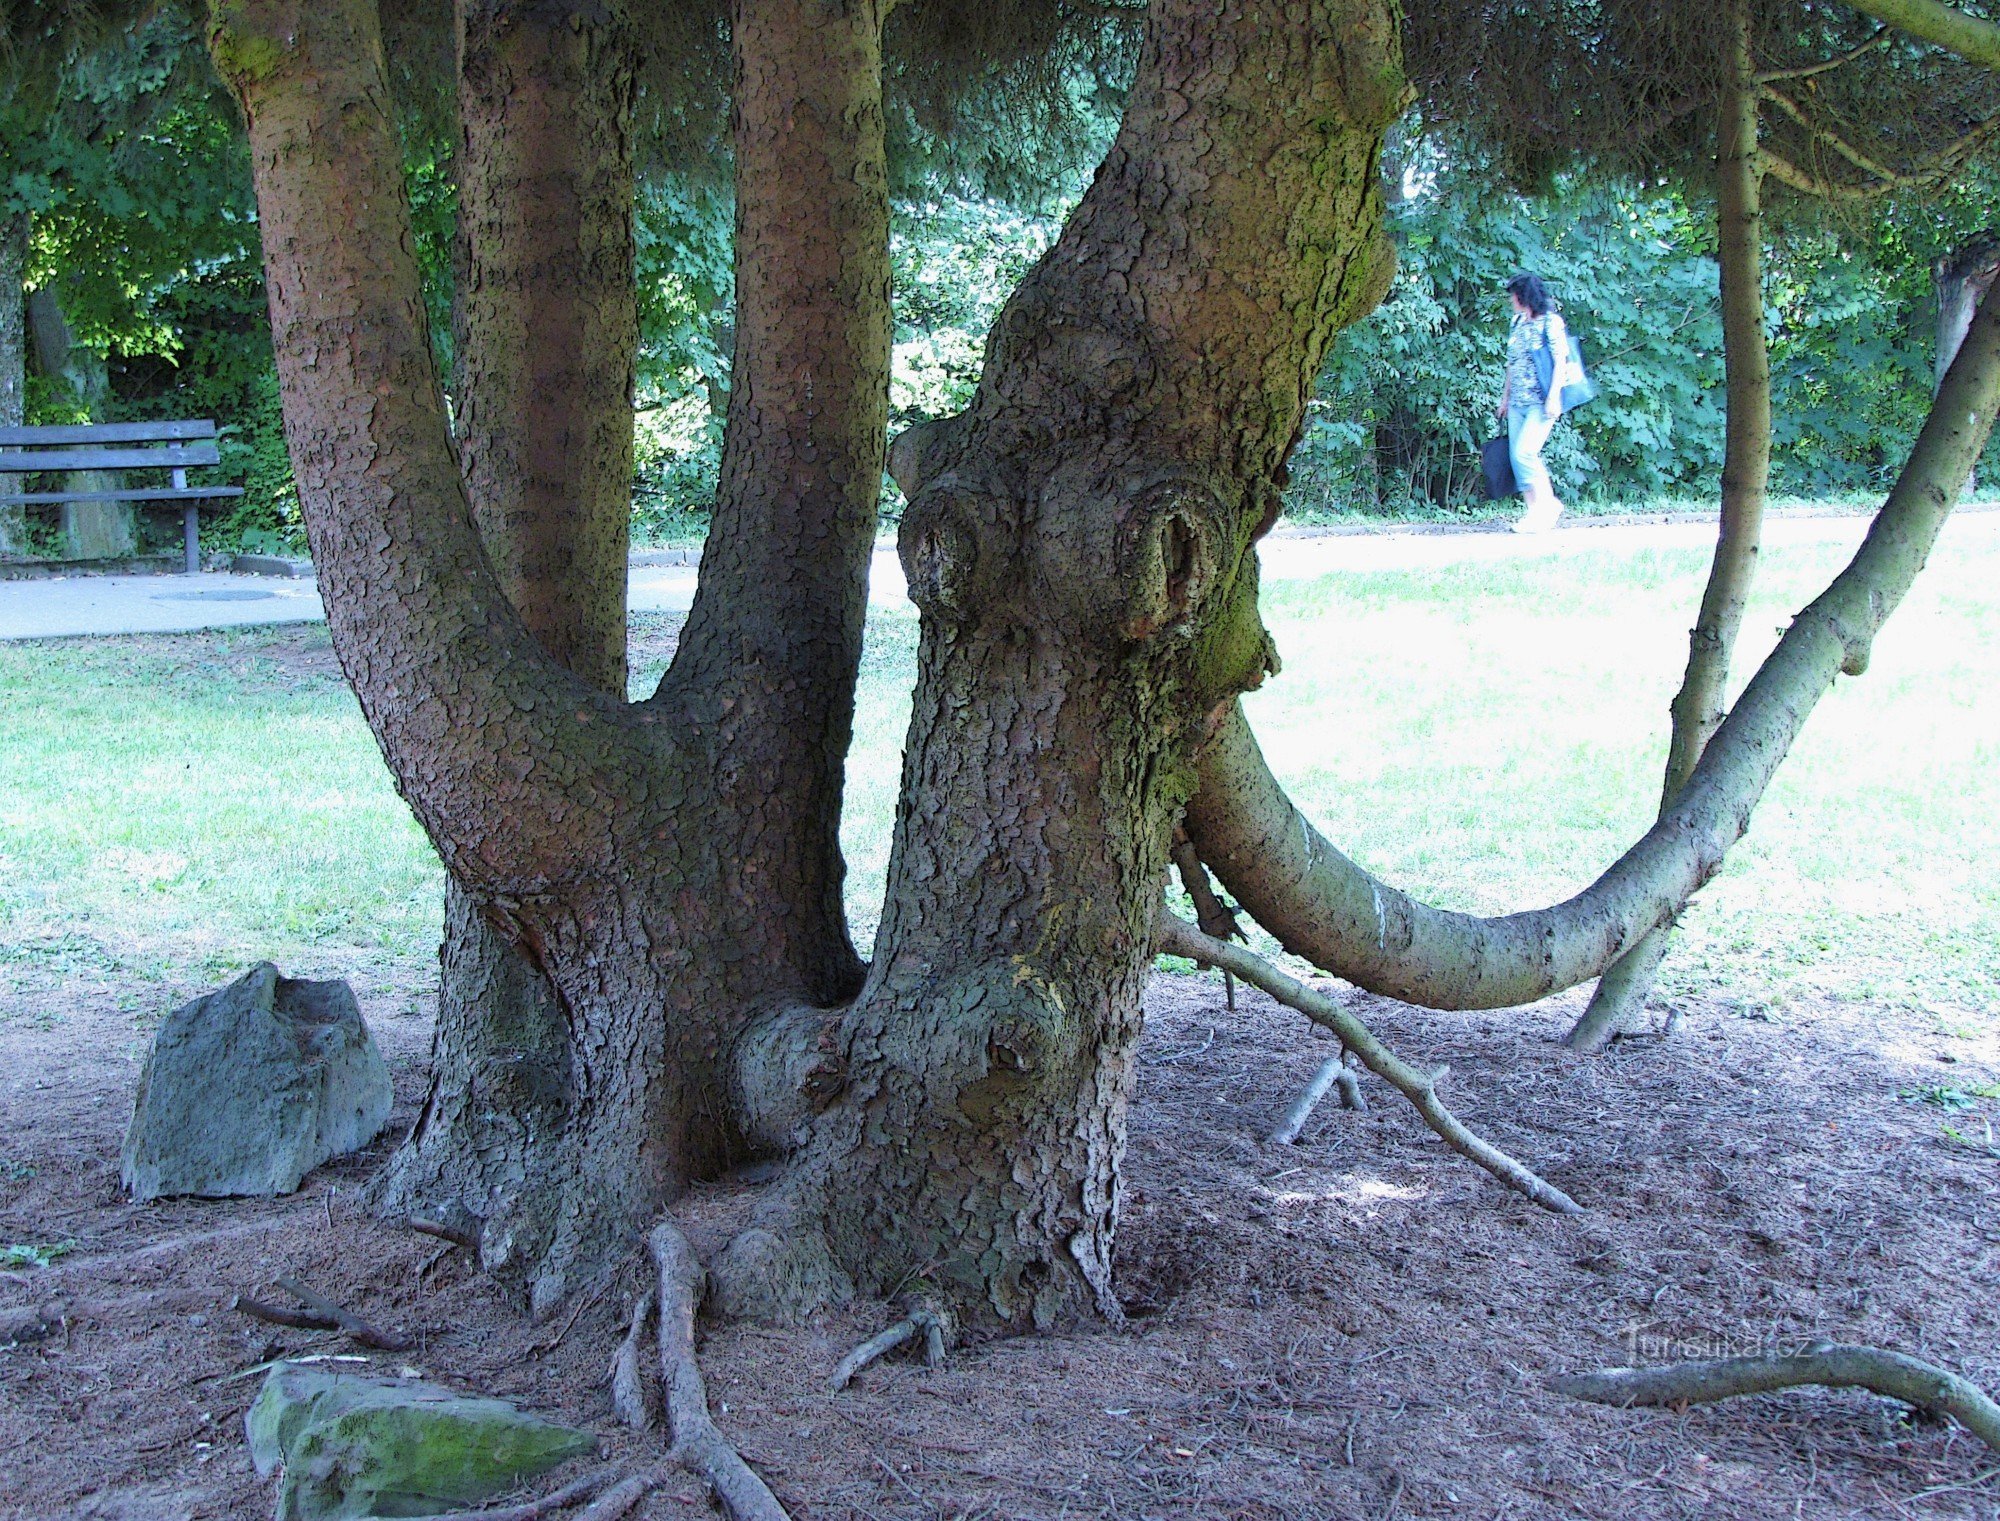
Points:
1532	293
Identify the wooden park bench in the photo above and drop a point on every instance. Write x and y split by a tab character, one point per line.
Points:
143	446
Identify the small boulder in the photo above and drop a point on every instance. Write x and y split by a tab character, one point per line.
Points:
248	1089
352	1445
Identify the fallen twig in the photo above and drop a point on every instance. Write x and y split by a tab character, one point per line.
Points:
1177	936
356	1328
697	1443
302	1320
457	1235
575	1492
629	1394
880	1345
1914	1382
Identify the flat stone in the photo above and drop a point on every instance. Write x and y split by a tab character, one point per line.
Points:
354	1445
248	1089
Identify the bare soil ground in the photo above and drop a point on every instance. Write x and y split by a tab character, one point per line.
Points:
1357	1326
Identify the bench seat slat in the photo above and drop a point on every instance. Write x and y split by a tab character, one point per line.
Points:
105	433
138	494
167	457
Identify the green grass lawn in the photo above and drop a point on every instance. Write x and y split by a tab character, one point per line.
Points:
1488	735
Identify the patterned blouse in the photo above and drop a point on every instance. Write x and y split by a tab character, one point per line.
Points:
1528	335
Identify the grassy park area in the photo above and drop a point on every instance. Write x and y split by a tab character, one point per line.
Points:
1487	734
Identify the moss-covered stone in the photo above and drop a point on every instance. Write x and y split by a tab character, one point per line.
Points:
352	1445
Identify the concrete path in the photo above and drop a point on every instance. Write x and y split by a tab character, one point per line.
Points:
172	604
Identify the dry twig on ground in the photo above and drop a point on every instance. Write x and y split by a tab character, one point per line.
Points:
1177	937
1911	1380
356	1328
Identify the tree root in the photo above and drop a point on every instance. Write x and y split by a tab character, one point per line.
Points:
1917	1383
1333	1073
630	1397
1177	936
923	1323
698	1445
597	1481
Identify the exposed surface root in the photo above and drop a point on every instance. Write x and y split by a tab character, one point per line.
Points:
923	1321
630	1396
880	1345
1178	937
1908	1379
596	1482
697	1443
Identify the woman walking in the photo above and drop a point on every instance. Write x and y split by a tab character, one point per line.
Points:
1529	411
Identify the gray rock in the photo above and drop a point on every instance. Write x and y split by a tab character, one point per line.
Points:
250	1088
352	1445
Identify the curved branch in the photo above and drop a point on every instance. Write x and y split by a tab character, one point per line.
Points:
1323	907
1908	1379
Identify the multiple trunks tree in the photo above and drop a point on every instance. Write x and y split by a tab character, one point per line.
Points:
649	974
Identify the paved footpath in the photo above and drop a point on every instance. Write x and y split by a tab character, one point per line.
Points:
78	605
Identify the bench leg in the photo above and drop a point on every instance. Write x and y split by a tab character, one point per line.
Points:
191	537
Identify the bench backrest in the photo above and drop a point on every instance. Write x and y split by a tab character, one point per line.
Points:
108	446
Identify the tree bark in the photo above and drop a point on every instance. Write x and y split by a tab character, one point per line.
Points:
1620	998
772	645
685	931
1079	545
546	333
1322	906
14	230
89	530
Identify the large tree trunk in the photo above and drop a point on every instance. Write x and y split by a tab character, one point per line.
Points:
1961	280
546	333
686	919
1620	997
90	530
1079	543
14	230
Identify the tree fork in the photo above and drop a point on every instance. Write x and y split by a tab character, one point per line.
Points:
1321	906
1620	997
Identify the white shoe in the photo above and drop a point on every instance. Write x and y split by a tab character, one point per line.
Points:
1538	520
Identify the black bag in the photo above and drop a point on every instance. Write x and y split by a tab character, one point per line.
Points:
1579	390
1497	460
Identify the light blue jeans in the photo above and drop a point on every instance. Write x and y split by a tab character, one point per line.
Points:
1528	428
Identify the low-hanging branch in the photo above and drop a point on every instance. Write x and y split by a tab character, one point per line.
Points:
1824	66
1914	1382
1177	937
1322	906
1918	176
1973	38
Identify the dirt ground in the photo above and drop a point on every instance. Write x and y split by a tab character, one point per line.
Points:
1357	1326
